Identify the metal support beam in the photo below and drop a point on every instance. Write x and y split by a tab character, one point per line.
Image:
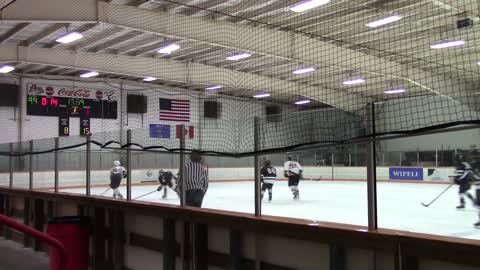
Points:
258	183
372	176
129	165
300	48
10	166
88	153
12	32
181	169
175	71
30	166
56	171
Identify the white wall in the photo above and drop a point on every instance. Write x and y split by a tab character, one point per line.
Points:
232	131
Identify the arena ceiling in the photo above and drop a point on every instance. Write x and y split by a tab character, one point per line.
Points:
121	39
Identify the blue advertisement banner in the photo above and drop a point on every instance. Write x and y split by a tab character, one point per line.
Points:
406	174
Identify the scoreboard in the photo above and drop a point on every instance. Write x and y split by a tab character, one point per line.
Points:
73	107
63	103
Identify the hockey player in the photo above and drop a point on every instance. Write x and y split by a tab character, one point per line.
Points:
477	197
293	170
165	180
463	174
268	174
116	174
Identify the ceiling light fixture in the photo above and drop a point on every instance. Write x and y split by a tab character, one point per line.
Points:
70	37
395	91
149	79
168	49
214	87
6	69
238	56
354	81
262	95
447	44
307	4
303	70
89	74
302	101
383	21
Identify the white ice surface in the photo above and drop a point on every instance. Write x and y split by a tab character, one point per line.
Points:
399	204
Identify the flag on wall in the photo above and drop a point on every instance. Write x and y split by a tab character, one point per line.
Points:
159	131
189	131
176	110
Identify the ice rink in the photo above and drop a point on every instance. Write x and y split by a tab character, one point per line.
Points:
399	204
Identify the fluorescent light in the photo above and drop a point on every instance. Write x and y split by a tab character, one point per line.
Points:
383	21
262	95
89	74
307	4
395	91
303	70
214	87
6	69
302	101
354	81
447	44
149	79
478	63
238	56
70	37
168	49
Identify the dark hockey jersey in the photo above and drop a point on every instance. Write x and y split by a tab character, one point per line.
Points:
165	178
268	174
462	173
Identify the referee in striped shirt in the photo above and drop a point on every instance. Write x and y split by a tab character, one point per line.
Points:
196	175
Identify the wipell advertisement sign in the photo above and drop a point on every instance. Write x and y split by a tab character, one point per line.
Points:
406	174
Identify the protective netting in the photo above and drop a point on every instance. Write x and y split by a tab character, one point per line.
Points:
200	64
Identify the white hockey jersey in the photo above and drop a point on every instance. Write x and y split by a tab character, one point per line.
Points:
292	167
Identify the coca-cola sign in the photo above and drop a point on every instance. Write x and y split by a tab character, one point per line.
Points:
56	91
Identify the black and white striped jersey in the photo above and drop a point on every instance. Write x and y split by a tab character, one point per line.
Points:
196	175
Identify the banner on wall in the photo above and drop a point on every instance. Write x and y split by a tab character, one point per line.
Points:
159	131
60	91
189	131
438	174
406	173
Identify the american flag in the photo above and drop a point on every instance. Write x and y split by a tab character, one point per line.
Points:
175	110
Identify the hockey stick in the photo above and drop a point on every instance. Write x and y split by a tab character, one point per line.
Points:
105	192
145	195
445	190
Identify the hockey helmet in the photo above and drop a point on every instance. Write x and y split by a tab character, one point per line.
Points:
267	162
116	163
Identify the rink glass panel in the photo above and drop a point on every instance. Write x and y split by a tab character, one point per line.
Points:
72	166
101	163
400	200
145	172
20	165
333	187
4	166
43	165
231	185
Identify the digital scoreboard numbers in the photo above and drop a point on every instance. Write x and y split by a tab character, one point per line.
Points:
56	106
63	125
85	122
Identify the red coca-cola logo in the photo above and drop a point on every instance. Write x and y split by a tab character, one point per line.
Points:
99	94
74	93
49	90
